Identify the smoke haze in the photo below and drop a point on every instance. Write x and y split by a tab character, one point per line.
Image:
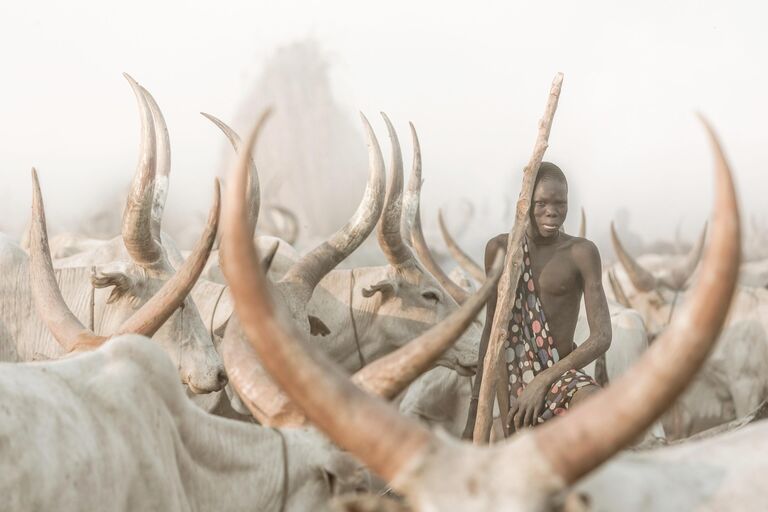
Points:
474	83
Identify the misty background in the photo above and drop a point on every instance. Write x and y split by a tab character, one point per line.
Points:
474	82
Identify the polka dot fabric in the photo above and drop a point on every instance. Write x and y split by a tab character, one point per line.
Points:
531	349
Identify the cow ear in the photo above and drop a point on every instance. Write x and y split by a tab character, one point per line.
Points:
317	327
330	481
219	331
344	476
117	278
385	287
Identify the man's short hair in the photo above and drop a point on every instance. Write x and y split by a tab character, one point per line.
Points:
549	171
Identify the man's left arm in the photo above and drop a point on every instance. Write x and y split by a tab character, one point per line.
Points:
587	258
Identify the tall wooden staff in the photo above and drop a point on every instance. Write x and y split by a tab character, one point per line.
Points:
510	277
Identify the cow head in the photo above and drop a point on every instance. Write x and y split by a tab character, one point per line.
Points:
145	276
409	301
415	294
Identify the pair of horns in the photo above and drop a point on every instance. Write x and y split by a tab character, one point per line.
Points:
307	272
643	280
394	446
142	219
65	327
400	225
143	212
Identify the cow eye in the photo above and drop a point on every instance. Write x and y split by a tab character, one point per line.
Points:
431	296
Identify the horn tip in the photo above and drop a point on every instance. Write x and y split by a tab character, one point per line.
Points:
391	130
35	183
268	112
415	138
366	123
130	79
440	214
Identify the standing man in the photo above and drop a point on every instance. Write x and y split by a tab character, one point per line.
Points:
542	360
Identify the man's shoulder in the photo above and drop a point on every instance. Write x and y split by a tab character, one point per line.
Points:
499	241
584	251
496	244
492	248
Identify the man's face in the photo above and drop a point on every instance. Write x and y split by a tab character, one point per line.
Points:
550	206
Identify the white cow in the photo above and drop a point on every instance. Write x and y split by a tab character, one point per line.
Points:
112	430
109	283
725	472
734	380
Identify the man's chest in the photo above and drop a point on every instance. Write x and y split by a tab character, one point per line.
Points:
554	272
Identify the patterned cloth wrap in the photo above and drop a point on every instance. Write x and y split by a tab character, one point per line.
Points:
530	348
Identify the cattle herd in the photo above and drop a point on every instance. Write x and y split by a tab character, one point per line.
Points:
275	382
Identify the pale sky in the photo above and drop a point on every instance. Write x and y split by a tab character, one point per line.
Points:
473	79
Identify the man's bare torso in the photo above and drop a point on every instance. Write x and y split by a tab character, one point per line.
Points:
559	283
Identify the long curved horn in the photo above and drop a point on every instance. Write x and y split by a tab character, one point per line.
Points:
50	305
640	277
462	258
153	314
618	290
604	424
253	190
583	224
365	426
144	248
312	267
389	234
417	235
163	167
410	207
389	375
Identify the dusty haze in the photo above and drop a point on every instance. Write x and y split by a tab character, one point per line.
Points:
474	83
